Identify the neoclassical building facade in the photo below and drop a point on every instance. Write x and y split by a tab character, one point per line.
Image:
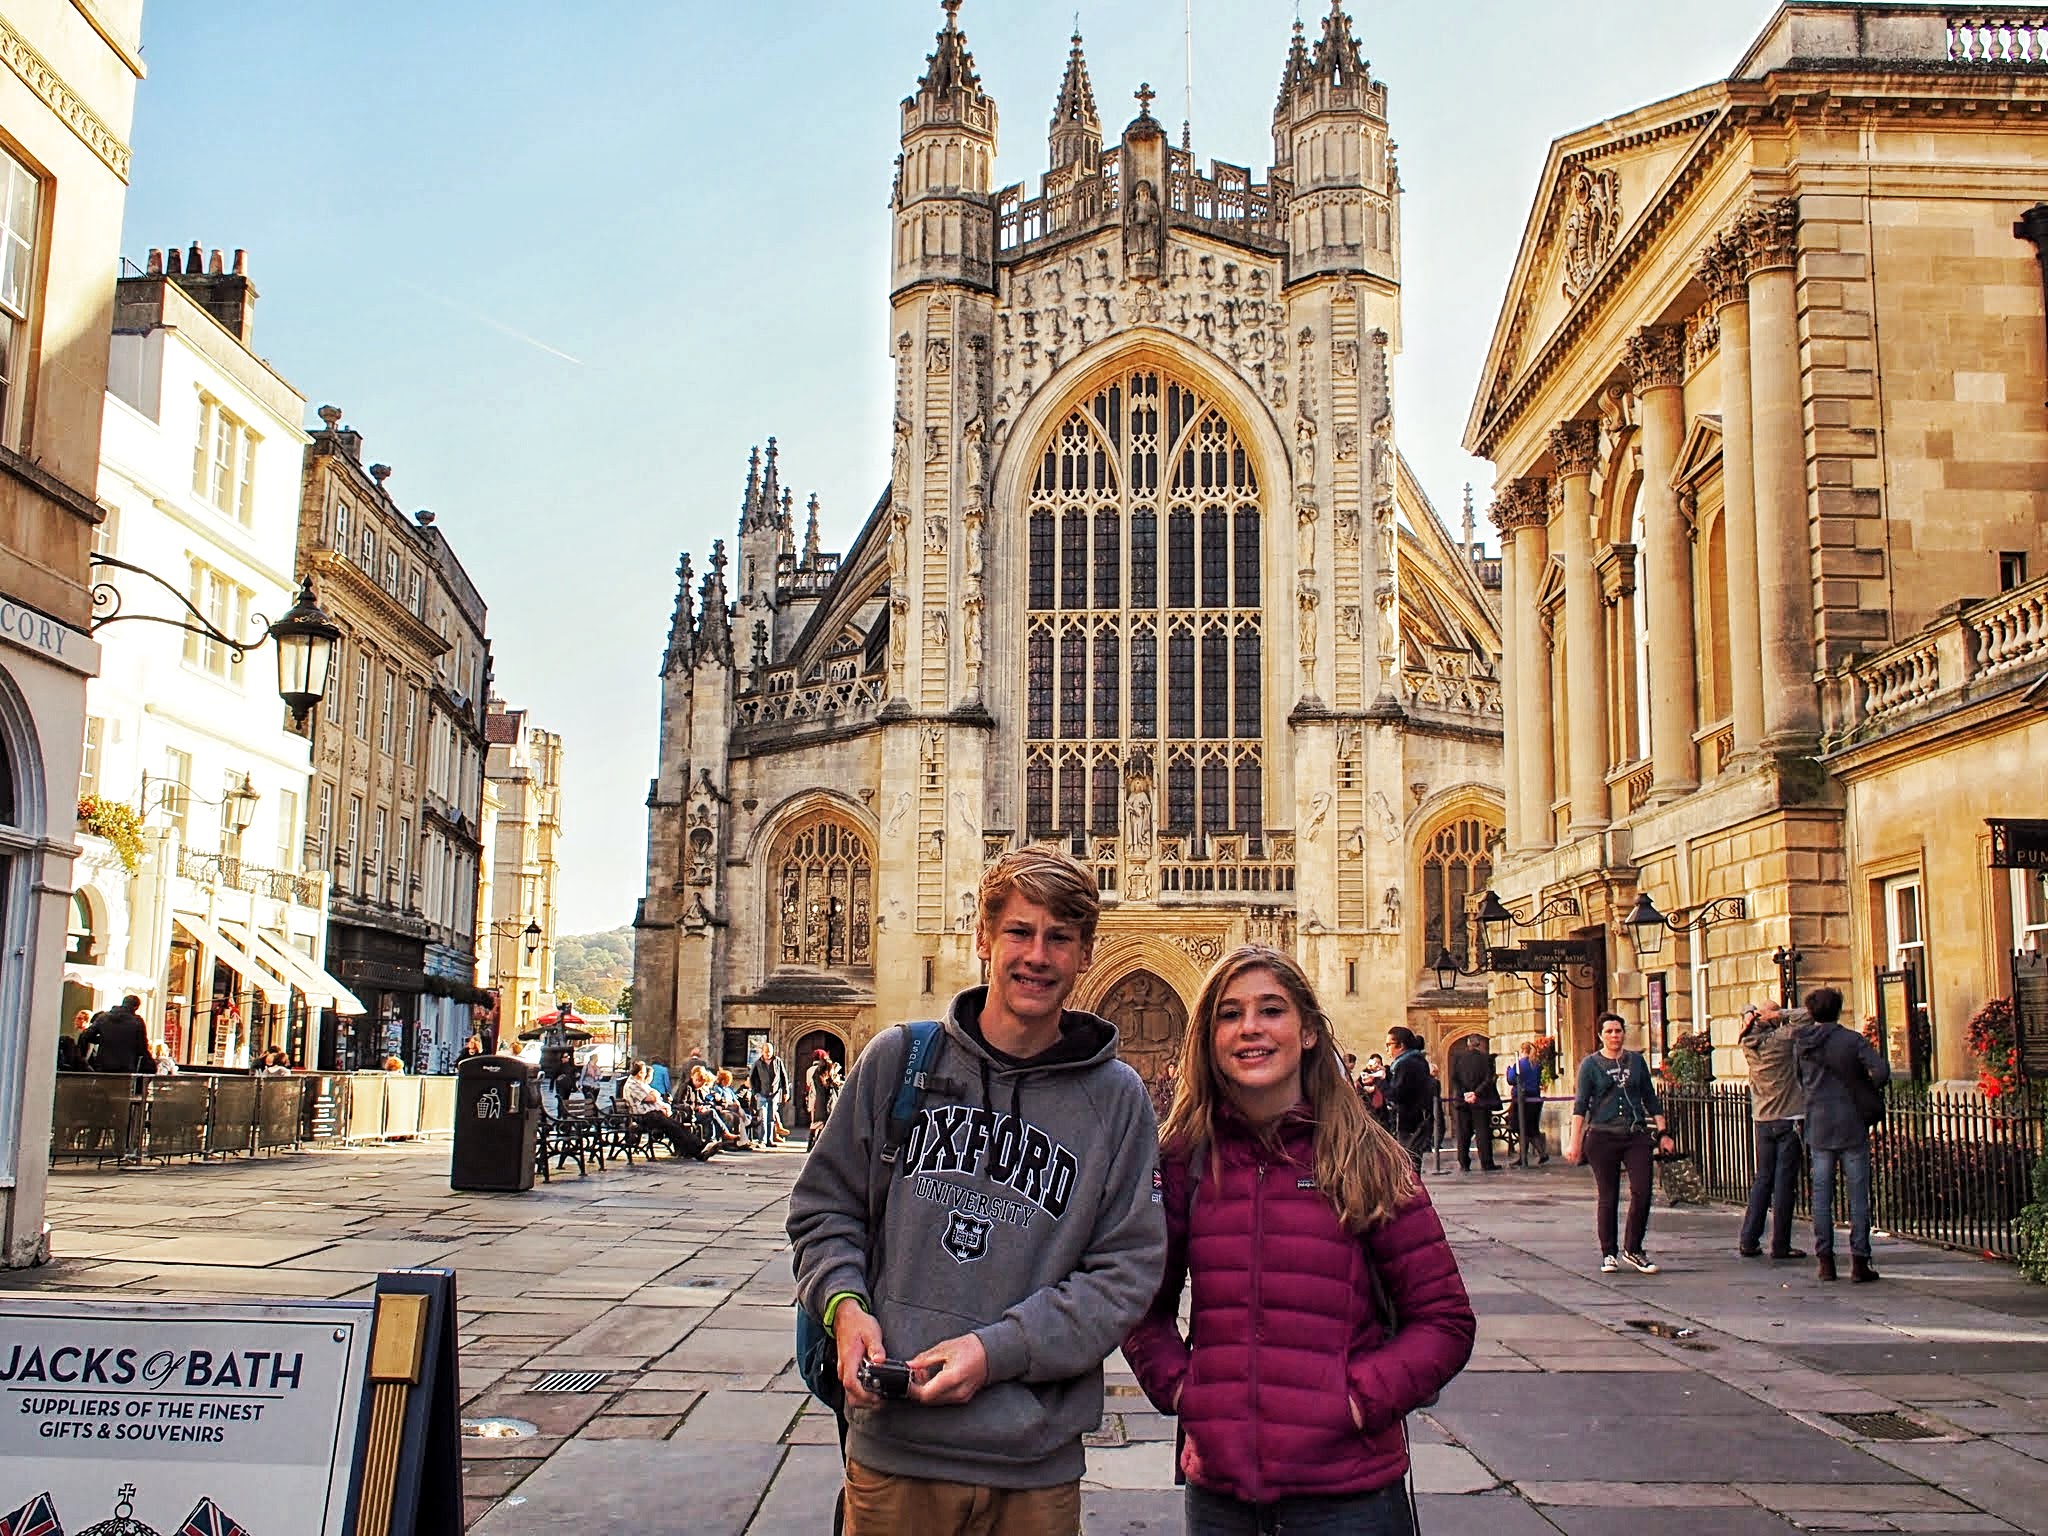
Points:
1764	398
1149	580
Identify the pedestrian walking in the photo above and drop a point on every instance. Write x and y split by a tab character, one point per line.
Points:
1842	1076
1777	1108
1305	1238
1613	1113
1474	1097
1411	1093
769	1079
971	1310
1525	1099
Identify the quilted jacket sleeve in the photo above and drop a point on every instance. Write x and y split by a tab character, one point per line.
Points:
1157	1353
1433	1338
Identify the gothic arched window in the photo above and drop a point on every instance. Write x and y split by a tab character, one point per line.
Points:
1109	630
1455	865
824	897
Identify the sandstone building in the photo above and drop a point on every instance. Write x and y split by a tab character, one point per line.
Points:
1149	579
1765	398
398	760
67	94
524	778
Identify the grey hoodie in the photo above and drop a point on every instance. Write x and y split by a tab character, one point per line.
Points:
1025	1212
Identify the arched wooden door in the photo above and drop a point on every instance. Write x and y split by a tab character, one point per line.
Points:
800	1063
1149	1017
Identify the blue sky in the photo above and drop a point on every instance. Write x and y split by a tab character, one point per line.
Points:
563	264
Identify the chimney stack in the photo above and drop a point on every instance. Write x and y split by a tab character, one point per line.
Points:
174	264
226	295
156	263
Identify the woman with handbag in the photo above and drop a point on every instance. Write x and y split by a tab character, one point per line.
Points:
1326	1305
1612	1114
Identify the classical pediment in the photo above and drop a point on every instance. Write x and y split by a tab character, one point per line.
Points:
1599	188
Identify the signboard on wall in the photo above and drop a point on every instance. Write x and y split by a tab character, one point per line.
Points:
2030	1012
180	1415
2018	843
1896	1000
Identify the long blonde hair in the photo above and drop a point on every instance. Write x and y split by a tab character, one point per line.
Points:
1363	1172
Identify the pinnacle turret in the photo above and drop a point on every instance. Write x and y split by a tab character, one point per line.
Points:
1076	129
682	624
811	547
771	485
714	622
1294	74
750	503
949	67
1338	59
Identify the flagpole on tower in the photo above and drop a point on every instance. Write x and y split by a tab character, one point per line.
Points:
1188	101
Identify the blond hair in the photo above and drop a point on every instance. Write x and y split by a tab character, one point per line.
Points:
1361	1170
1046	878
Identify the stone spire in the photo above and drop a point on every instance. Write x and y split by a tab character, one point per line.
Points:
714	623
771	485
1338	59
682	624
1294	74
811	536
785	524
1471	521
1076	129
750	503
949	67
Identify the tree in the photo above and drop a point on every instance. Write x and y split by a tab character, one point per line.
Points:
624	1006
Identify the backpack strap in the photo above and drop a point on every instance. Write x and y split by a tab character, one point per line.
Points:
918	1053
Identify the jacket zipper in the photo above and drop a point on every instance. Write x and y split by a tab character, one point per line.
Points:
1258	1316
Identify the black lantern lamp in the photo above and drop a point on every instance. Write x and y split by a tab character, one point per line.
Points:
240	805
305	639
533	937
1496	922
1448	970
1646	926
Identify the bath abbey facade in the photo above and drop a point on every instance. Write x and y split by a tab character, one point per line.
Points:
1150	579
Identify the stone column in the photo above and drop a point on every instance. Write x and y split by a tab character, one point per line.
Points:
1510	673
1575	447
1784	561
1725	271
1529	517
1656	359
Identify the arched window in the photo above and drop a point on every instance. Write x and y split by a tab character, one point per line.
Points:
1455	865
824	901
8	812
1109	630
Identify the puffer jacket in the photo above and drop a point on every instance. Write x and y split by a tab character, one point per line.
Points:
1284	1340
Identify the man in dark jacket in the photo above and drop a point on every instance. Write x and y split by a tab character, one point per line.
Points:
1777	1109
1410	1099
118	1040
769	1079
1475	1095
1837	1066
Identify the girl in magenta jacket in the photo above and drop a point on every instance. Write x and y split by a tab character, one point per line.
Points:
1304	1232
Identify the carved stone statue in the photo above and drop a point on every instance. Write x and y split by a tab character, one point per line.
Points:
1304	450
1144	232
1390	909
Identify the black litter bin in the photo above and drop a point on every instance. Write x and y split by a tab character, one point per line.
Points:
497	1124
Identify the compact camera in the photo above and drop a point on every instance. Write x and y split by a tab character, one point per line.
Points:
886	1378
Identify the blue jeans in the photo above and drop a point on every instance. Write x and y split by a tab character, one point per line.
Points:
1380	1513
1775	1185
764	1118
1855	1163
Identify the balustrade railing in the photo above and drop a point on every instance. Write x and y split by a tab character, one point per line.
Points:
782	698
226	873
1970	643
1438	690
1224	199
1225	865
1998	37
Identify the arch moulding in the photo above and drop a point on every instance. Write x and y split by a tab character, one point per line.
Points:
1124	955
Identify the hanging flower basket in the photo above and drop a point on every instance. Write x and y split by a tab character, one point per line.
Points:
118	823
1690	1061
1993	1041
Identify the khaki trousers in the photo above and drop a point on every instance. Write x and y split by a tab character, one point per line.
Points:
881	1504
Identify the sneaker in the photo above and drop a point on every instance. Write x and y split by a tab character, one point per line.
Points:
1639	1263
1609	1264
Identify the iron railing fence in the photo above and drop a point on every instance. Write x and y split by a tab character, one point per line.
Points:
1948	1165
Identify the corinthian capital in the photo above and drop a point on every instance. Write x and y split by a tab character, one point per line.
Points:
1576	447
1656	357
1724	269
1770	234
1523	504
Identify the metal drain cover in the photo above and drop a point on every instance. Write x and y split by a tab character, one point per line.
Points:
497	1429
1884	1426
570	1381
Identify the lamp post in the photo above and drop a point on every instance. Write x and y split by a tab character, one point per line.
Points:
305	635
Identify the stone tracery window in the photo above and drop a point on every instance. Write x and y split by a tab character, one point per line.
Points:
1455	865
1095	512
824	881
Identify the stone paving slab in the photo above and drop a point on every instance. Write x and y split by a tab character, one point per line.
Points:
676	1277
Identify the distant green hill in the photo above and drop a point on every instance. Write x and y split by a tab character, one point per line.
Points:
598	965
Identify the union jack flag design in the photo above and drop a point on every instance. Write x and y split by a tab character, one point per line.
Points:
207	1519
38	1517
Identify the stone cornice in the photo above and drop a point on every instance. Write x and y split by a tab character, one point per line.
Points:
1576	447
38	76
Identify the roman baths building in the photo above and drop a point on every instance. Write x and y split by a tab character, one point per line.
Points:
1765	398
1150	580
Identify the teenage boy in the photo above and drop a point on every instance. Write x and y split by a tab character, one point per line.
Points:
1022	1240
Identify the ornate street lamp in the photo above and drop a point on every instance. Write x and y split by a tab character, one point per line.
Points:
304	634
1646	926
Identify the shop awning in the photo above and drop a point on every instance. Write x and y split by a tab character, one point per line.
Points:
108	978
321	989
229	951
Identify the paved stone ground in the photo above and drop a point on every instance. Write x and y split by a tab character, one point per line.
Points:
675	1278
